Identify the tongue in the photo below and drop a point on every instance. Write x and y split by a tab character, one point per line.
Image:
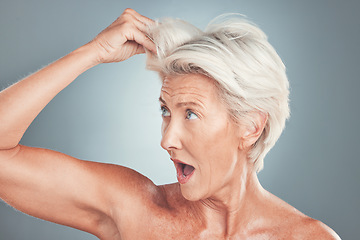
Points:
188	169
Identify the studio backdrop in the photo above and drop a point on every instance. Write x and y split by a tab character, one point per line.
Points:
111	112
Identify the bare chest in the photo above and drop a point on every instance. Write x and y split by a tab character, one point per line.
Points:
181	227
162	226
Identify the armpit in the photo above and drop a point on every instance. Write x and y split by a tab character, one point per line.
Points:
7	154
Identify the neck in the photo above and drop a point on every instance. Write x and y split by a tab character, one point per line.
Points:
236	208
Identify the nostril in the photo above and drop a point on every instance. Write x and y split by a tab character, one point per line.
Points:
166	145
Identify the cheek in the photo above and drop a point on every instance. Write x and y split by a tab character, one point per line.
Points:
214	138
198	141
216	148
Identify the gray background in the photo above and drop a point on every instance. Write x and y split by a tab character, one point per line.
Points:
111	113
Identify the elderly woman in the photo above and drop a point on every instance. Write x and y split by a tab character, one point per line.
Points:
224	102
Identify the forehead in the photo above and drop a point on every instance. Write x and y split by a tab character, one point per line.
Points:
195	85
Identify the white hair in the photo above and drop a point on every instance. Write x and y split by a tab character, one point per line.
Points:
235	53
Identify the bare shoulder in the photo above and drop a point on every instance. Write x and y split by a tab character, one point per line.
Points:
309	228
300	226
296	225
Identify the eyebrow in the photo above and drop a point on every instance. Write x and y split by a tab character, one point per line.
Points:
182	103
162	100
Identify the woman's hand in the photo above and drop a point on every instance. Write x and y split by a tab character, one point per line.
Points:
84	198
18	107
124	38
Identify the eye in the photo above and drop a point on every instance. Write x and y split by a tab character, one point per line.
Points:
164	111
191	115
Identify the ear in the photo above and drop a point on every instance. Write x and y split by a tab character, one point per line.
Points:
253	129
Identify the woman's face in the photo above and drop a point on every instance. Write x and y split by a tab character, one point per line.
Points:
199	135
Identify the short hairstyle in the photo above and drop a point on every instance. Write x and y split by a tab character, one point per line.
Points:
248	72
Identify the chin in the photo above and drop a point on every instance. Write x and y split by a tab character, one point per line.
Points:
189	193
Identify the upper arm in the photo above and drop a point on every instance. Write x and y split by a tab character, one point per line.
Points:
62	189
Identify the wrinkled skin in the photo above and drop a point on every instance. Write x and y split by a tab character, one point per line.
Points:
222	199
197	130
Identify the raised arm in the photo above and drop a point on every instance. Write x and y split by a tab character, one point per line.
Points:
51	185
22	102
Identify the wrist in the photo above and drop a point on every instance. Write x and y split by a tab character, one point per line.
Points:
88	55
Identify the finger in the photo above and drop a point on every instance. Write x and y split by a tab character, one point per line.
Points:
144	29
141	18
141	26
140	49
142	39
131	16
147	21
134	48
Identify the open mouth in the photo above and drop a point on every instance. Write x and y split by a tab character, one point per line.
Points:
184	171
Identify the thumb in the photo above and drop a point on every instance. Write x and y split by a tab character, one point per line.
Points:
140	49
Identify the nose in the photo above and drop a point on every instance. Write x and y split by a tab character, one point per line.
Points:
171	138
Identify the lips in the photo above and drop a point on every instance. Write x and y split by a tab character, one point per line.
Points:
184	171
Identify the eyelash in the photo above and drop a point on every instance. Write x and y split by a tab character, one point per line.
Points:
163	109
189	112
